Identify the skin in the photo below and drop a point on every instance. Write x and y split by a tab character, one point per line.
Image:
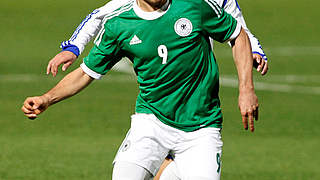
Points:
262	64
66	58
150	5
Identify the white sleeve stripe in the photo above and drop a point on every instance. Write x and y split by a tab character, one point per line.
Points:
125	8
91	73
116	12
215	7
93	14
98	39
75	34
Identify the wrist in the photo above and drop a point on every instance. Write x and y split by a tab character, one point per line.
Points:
46	98
69	55
66	46
246	88
261	54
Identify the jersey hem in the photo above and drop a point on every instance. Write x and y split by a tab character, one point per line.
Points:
186	129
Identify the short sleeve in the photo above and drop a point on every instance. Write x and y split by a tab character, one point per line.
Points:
103	56
220	25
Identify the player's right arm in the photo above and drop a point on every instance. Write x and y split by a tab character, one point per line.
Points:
102	57
70	85
85	32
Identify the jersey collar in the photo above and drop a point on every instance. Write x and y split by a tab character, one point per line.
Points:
151	15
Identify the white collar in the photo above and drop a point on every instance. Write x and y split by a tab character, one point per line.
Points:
151	15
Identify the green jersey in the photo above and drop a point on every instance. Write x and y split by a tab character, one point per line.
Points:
172	57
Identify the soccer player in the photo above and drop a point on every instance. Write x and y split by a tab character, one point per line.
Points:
92	24
178	108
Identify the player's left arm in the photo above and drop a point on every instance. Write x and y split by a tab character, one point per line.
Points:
260	59
222	27
248	101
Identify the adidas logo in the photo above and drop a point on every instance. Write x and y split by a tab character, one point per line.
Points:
135	40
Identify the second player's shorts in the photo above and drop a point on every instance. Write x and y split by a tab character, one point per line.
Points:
196	154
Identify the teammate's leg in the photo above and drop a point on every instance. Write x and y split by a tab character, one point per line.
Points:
130	171
163	166
170	172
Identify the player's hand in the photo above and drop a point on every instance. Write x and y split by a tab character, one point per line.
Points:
33	106
249	108
260	64
65	57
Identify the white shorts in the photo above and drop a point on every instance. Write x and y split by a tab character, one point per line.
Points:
196	154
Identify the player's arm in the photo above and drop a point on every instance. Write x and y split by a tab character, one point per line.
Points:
260	59
222	27
85	32
73	47
70	85
248	101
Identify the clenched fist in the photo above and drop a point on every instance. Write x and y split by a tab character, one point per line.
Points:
33	106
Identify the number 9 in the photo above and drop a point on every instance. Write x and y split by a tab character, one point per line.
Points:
163	52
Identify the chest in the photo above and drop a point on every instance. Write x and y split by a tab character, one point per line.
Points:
160	39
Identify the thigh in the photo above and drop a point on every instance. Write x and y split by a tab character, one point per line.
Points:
142	146
130	171
199	158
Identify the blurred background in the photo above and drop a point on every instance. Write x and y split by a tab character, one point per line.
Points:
78	138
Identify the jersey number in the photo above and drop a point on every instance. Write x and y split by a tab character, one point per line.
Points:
163	53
